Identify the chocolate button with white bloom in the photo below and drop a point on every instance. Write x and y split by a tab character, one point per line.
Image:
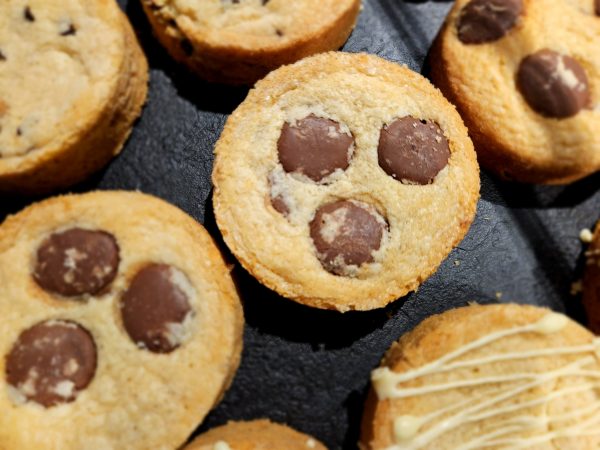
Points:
487	20
156	308
51	363
77	262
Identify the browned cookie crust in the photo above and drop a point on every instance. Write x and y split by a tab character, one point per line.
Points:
121	327
525	76
240	41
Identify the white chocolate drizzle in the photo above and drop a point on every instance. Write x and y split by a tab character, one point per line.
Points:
417	432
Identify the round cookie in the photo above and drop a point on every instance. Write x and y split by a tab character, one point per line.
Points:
343	181
499	376
591	283
240	41
256	435
525	76
73	79
121	327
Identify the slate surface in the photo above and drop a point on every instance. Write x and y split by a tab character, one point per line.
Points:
311	368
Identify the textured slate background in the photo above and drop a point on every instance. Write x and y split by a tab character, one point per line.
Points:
311	368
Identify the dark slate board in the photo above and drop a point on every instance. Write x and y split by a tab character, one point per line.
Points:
310	368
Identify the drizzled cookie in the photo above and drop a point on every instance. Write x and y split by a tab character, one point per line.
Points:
525	76
343	181
121	327
73	79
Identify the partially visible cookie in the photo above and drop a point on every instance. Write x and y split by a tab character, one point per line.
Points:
73	79
591	282
493	377
255	435
240	41
121	327
525	76
344	180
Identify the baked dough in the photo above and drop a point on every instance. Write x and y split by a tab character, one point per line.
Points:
532	123
73	79
256	435
343	181
240	41
125	345
494	377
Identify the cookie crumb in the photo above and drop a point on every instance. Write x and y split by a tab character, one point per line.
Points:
586	235
576	287
457	262
498	295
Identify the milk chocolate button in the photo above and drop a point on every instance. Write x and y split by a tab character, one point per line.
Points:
554	85
77	262
155	308
597	7
487	20
315	147
413	151
51	362
346	233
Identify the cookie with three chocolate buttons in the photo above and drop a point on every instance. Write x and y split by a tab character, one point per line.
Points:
343	181
240	41
121	326
255	435
525	76
73	79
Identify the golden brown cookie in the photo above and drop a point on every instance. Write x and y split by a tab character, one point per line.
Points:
73	79
255	435
121	327
525	76
493	377
343	181
240	41
591	283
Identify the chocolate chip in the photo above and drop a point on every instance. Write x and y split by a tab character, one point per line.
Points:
2	56
52	362
413	151
77	262
346	233
554	85
155	308
28	15
598	7
187	47
19	131
487	20
314	147
68	30
279	33
280	205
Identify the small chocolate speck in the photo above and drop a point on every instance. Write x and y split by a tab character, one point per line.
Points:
187	47
69	31
28	14
19	132
279	33
172	23
2	56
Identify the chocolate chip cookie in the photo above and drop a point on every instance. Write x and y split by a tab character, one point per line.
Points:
255	435
525	76
496	376
343	181
73	79
121	327
591	282
240	41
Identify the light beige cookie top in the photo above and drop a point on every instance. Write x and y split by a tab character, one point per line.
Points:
121	327
497	377
65	68
240	41
254	435
525	76
344	180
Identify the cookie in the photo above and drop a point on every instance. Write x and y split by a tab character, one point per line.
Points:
343	181
240	41
255	435
121	327
498	377
591	283
525	76
73	79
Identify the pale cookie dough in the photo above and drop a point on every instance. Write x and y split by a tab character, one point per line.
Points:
121	327
73	79
525	76
240	41
591	282
493	377
343	181
255	435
